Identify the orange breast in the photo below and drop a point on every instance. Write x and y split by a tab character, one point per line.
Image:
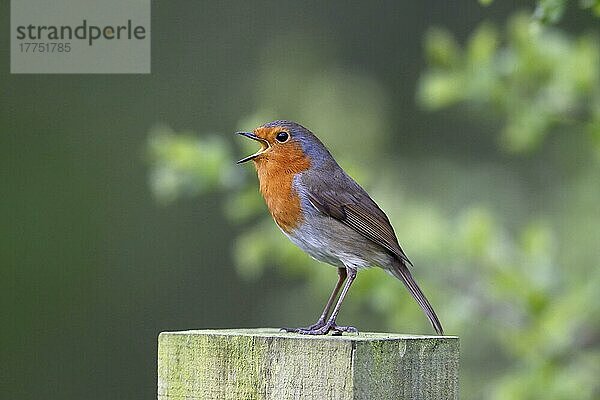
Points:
276	172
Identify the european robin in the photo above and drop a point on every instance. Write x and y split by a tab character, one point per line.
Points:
327	214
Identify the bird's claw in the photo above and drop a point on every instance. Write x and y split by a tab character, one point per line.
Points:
338	330
322	328
317	325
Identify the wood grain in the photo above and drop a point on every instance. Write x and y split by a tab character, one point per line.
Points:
257	364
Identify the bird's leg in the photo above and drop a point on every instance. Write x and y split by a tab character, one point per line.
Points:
330	324
341	278
321	322
338	330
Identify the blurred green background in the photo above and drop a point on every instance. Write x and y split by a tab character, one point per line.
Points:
475	125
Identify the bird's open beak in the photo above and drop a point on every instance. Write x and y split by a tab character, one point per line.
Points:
264	146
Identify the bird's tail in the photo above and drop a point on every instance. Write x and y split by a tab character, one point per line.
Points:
400	271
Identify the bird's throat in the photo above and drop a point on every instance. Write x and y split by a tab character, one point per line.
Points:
276	176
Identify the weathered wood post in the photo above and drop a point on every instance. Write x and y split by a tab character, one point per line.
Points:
244	364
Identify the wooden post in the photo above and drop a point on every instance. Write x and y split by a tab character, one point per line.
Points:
244	364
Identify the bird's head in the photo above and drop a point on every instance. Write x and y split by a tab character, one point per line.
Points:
285	142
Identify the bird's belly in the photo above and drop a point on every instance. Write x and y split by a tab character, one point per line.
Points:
332	242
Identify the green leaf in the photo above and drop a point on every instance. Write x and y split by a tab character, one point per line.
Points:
550	11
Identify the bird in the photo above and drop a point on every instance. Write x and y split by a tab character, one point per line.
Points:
324	212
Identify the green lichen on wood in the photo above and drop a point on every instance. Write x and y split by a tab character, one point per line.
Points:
265	364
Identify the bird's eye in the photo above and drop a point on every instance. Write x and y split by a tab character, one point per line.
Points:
282	137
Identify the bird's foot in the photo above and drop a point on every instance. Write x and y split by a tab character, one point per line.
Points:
323	328
338	330
317	325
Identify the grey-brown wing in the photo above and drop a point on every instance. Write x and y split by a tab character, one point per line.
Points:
361	213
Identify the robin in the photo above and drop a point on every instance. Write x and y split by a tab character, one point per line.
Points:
327	214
